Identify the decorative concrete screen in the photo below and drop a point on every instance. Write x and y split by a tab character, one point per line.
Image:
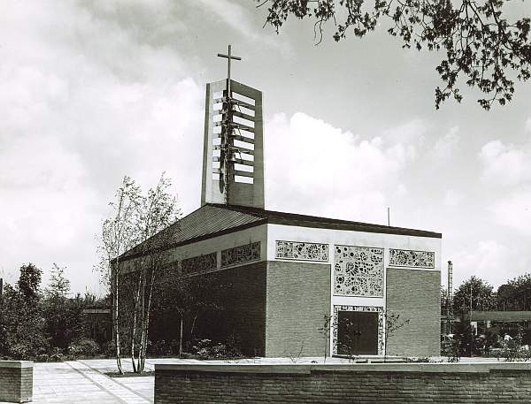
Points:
240	255
296	250
411	258
202	263
359	271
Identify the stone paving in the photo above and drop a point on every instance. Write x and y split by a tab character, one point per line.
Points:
85	382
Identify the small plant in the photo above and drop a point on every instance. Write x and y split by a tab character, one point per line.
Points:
85	347
325	330
450	347
418	360
295	358
393	322
207	349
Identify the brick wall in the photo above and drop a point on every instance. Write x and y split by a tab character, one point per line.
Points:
500	383
16	381
298	297
415	296
242	315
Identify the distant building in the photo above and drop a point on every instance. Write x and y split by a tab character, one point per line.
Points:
500	322
97	322
289	272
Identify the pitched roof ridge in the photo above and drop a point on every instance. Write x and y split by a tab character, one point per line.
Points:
321	219
241	209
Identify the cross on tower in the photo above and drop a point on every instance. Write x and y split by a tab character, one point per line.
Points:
227	143
229	56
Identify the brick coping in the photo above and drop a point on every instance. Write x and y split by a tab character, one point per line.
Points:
210	367
16	364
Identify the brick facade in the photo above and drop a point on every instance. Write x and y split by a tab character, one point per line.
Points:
500	383
16	381
298	298
242	314
415	296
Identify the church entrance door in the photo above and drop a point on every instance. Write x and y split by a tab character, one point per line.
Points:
357	333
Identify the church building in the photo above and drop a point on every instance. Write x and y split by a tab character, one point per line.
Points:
300	285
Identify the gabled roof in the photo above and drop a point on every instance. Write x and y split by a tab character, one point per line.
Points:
212	220
293	219
208	221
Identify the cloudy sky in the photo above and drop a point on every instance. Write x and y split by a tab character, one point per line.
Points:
95	90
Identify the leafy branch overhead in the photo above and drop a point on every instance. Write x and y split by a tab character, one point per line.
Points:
482	48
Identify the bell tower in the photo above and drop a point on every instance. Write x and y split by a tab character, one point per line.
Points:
233	149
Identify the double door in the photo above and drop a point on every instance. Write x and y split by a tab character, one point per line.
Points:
357	333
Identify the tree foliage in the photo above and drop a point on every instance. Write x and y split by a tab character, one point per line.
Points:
134	221
473	295
62	317
481	46
117	236
22	317
29	282
515	294
157	210
40	326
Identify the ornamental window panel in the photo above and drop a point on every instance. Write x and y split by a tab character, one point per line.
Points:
199	264
304	251
411	258
240	255
359	271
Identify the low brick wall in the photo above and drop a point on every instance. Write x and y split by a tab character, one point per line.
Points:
347	383
16	381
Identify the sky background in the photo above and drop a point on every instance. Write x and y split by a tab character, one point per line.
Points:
95	90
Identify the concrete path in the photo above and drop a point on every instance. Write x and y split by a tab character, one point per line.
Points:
85	382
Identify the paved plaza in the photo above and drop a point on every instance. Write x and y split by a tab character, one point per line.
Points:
85	381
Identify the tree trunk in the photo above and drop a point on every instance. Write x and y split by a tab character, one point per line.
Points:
145	333
115	282
142	315
181	337
134	324
193	325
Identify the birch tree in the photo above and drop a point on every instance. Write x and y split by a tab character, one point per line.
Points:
157	211
118	235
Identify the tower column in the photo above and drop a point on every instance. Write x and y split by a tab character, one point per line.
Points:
233	157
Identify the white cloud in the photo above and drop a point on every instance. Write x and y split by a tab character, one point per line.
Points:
240	20
315	167
452	198
410	133
505	164
528	125
490	260
514	211
447	145
82	105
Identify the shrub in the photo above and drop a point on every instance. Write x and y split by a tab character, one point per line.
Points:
207	349
85	347
25	351
108	349
42	358
450	348
160	348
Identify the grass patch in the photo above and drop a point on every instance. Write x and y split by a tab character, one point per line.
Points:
130	374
